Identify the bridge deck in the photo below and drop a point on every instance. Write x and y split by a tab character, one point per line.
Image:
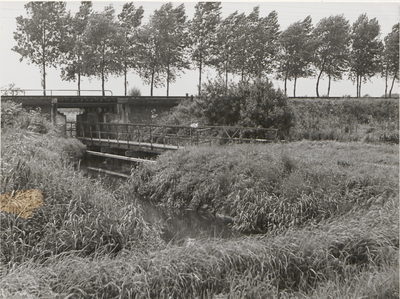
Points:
63	101
126	144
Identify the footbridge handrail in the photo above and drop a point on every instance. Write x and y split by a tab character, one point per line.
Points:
169	136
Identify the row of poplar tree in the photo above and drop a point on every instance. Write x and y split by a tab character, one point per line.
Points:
99	44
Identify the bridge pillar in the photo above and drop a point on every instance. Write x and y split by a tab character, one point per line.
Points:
123	110
53	111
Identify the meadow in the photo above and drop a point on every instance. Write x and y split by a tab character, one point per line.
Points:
310	218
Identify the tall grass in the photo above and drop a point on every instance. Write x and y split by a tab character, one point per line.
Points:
321	218
268	187
79	214
368	120
339	259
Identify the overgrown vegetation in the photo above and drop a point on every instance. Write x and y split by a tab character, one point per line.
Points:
78	213
369	120
256	104
267	188
321	219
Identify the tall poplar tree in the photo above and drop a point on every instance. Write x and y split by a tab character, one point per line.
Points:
149	57
103	40
170	25
203	30
332	37
227	38
296	56
74	65
256	45
40	35
129	19
366	49
391	58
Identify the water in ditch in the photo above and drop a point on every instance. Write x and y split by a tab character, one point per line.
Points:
176	226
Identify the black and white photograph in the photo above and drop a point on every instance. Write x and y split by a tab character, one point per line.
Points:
216	150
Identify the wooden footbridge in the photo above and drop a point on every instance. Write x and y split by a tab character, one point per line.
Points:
140	142
158	138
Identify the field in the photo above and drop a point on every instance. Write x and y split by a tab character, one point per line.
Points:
309	219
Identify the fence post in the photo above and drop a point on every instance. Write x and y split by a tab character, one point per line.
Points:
151	137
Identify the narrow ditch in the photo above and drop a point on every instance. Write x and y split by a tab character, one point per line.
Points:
176	227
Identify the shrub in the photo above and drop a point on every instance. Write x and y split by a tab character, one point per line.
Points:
221	106
134	92
255	104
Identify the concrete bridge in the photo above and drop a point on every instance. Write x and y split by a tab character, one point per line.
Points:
108	109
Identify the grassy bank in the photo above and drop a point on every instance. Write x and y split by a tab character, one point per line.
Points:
349	257
78	214
315	219
275	186
349	119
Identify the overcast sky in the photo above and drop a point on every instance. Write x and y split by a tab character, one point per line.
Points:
27	76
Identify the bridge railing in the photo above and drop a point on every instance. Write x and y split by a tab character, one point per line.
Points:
177	136
53	92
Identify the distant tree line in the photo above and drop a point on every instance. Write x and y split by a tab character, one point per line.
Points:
100	44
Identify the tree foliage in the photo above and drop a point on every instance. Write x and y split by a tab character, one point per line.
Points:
365	50
255	104
296	55
332	38
170	25
390	61
40	36
103	40
149	55
129	20
228	33
203	36
74	64
97	44
256	45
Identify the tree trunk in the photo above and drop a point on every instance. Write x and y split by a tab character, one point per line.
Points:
286	77
102	83
102	74
79	83
44	77
152	83
226	77
329	84
44	60
294	87
319	76
168	79
386	81
357	87
391	88
125	81
200	70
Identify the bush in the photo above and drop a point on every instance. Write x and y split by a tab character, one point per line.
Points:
134	92
255	104
249	105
